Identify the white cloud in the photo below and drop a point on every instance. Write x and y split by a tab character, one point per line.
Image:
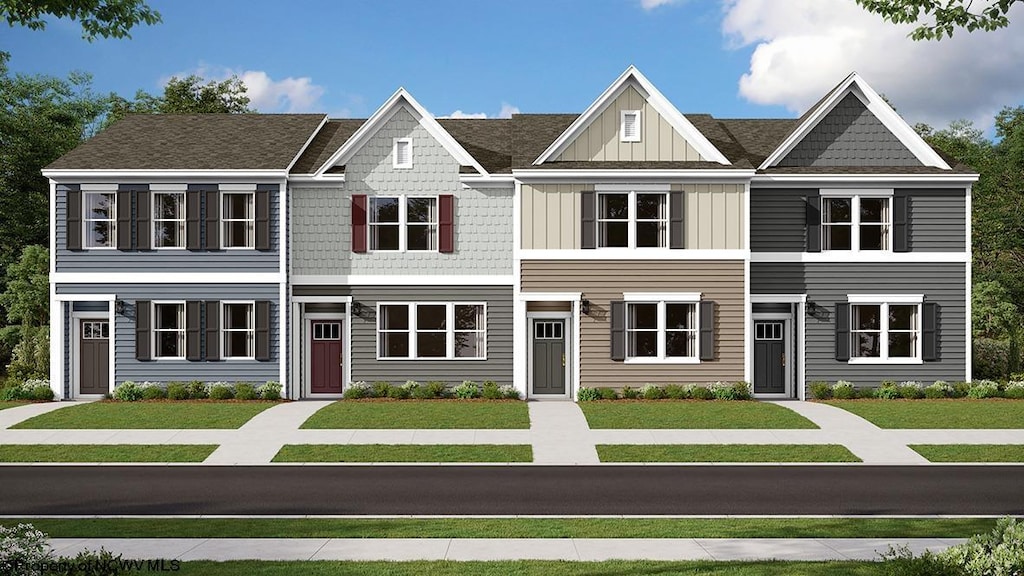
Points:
461	114
507	110
652	4
266	94
804	47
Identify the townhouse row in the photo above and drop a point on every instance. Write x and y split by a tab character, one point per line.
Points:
625	245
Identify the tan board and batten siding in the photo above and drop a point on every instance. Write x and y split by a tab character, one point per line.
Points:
718	280
600	141
714	216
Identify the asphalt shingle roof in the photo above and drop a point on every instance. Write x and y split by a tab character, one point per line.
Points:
328	141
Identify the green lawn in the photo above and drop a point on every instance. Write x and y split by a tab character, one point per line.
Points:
421	414
135	415
971	452
690	414
12	404
405	453
105	452
508	527
725	453
948	413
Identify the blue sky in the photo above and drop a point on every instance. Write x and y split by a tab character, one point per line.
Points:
732	58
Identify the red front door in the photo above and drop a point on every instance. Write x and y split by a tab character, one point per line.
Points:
325	356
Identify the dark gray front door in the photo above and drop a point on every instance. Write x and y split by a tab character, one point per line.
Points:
94	357
548	356
770	357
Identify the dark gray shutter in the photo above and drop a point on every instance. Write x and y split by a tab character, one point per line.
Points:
676	225
73	228
124	219
212	208
813	208
143	220
192	326
707	329
900	230
262	330
262	219
211	314
618	333
842	331
588	220
930	332
143	348
193	219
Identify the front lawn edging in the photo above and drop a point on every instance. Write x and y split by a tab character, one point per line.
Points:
715	391
130	391
413	390
913	390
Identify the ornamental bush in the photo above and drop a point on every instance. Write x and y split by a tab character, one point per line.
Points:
490	390
742	390
245	391
820	390
221	391
22	550
128	392
177	391
889	390
467	390
910	390
998	553
844	390
356	390
608	393
651	392
271	390
939	389
588	394
630	393
698	392
983	389
197	390
509	392
1014	390
154	392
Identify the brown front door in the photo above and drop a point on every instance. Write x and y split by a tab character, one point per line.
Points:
325	357
94	357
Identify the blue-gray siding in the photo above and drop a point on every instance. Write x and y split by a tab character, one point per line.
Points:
826	284
850	136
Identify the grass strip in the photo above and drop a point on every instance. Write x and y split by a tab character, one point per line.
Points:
971	452
996	413
405	453
448	414
105	452
508	527
149	415
691	414
725	453
12	404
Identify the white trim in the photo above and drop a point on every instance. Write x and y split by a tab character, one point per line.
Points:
883	301
403	222
662	329
237	190
855	222
589	176
569	319
627	187
327	180
550	296
85	297
222	329
347	300
182	210
450	330
876	105
394	153
778	298
801	342
168	278
308	142
748	328
400	98
851	192
969	336
153	331
519	320
634	254
638	124
53	226
681	297
403	280
75	358
954	180
286	354
186	174
845	256
787	319
489	181
57	303
885	298
307	384
655	98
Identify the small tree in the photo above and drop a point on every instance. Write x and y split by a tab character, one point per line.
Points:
27	301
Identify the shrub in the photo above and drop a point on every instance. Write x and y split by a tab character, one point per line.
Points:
399	392
608	393
411	386
742	390
983	389
468	389
490	390
960	389
430	390
651	392
12	392
820	390
588	394
889	390
128	392
992	358
910	390
723	391
630	393
221	391
939	389
867	393
22	549
1014	390
999	552
676	392
177	391
197	390
101	563
271	390
31	356
844	390
154	392
356	390
701	393
380	389
245	391
509	392
900	561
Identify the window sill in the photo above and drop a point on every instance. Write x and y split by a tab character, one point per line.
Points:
434	359
885	361
661	361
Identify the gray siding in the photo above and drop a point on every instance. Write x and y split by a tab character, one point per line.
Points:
778	219
165	260
850	136
826	284
937	220
128	368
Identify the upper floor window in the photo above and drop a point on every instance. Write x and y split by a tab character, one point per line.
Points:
239	220
239	329
100	219
661	330
398	223
434	330
855	223
402	153
169	220
629	131
885	330
169	329
632	220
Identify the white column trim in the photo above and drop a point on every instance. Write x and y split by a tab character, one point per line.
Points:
969	321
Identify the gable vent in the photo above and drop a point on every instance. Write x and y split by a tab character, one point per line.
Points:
403	153
630	129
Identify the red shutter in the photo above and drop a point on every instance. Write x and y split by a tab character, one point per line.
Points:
446	228
359	222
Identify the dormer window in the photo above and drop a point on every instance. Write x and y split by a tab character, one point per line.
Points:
629	131
402	153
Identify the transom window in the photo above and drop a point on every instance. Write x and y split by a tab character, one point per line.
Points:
547	330
768	331
169	219
96	330
431	330
169	330
99	216
239	220
238	329
629	131
403	223
661	330
855	223
327	331
632	220
885	330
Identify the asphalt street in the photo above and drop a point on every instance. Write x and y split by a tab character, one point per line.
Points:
501	490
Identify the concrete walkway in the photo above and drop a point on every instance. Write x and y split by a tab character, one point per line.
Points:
560	435
464	549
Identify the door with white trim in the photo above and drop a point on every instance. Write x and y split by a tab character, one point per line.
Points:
326	356
93	356
548	353
771	348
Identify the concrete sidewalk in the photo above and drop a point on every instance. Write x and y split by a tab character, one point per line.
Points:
464	549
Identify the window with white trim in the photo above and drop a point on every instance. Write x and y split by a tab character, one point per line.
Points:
168	219
629	130
99	218
632	219
238	329
855	223
168	329
885	331
402	153
403	223
661	330
238	218
431	330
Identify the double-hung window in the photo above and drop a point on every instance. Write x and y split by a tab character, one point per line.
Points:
169	329
99	219
633	219
662	328
885	328
239	220
168	219
855	222
238	330
431	330
403	223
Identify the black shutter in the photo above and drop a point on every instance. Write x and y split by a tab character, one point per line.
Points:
707	330
813	223
262	330
262	219
588	220
143	219
143	348
212	329
930	332
676	226
193	219
900	230
212	202
192	325
124	219
618	333
842	331
73	228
